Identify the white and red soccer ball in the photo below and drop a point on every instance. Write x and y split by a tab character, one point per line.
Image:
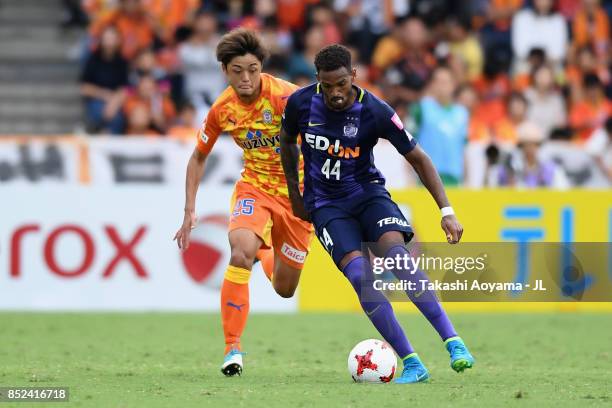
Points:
372	361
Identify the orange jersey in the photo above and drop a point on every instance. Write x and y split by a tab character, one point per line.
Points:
255	128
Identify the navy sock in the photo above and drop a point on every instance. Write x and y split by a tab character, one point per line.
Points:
427	302
376	306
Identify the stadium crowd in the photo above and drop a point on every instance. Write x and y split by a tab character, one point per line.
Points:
498	92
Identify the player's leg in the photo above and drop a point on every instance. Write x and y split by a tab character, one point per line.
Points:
390	241
341	237
249	230
235	296
266	258
285	278
357	269
291	238
427	302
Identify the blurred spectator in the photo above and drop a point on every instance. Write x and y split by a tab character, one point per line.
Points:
140	123
498	14
599	146
203	78
172	14
493	87
441	126
411	35
145	64
265	9
591	112
434	12
363	81
159	107
576	163
535	59
464	45
277	40
97	8
302	63
369	20
239	13
546	105
323	16
568	8
75	15
478	130
586	63
135	24
591	27
526	169
102	84
506	130
184	127
539	27
409	75
291	14
494	166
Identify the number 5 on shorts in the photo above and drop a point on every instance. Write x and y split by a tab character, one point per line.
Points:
244	207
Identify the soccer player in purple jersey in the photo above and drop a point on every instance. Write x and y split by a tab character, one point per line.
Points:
346	200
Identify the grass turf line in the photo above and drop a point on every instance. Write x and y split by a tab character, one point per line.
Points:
172	360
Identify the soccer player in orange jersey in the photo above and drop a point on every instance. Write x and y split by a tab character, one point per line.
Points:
262	225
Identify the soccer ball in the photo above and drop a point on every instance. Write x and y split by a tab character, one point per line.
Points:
372	361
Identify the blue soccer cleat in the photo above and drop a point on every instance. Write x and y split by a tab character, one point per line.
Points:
232	363
414	371
459	354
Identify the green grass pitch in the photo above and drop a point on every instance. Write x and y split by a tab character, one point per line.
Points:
172	360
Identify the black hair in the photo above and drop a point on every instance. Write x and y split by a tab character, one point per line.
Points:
591	80
333	57
517	95
561	133
461	21
537	52
608	125
186	105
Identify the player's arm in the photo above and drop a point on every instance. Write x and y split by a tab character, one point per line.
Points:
195	171
290	157
430	178
207	136
392	128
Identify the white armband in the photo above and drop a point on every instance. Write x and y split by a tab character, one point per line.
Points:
447	211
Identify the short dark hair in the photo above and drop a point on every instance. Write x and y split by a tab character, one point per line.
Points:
240	42
516	95
591	80
608	125
333	57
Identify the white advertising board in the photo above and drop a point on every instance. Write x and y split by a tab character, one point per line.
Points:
111	248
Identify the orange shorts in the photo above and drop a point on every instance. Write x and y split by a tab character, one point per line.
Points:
271	218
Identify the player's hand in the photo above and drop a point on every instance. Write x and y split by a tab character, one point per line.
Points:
182	235
299	211
452	228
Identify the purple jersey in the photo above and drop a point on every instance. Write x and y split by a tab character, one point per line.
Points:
338	146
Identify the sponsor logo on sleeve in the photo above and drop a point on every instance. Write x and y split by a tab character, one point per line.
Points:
397	121
203	135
